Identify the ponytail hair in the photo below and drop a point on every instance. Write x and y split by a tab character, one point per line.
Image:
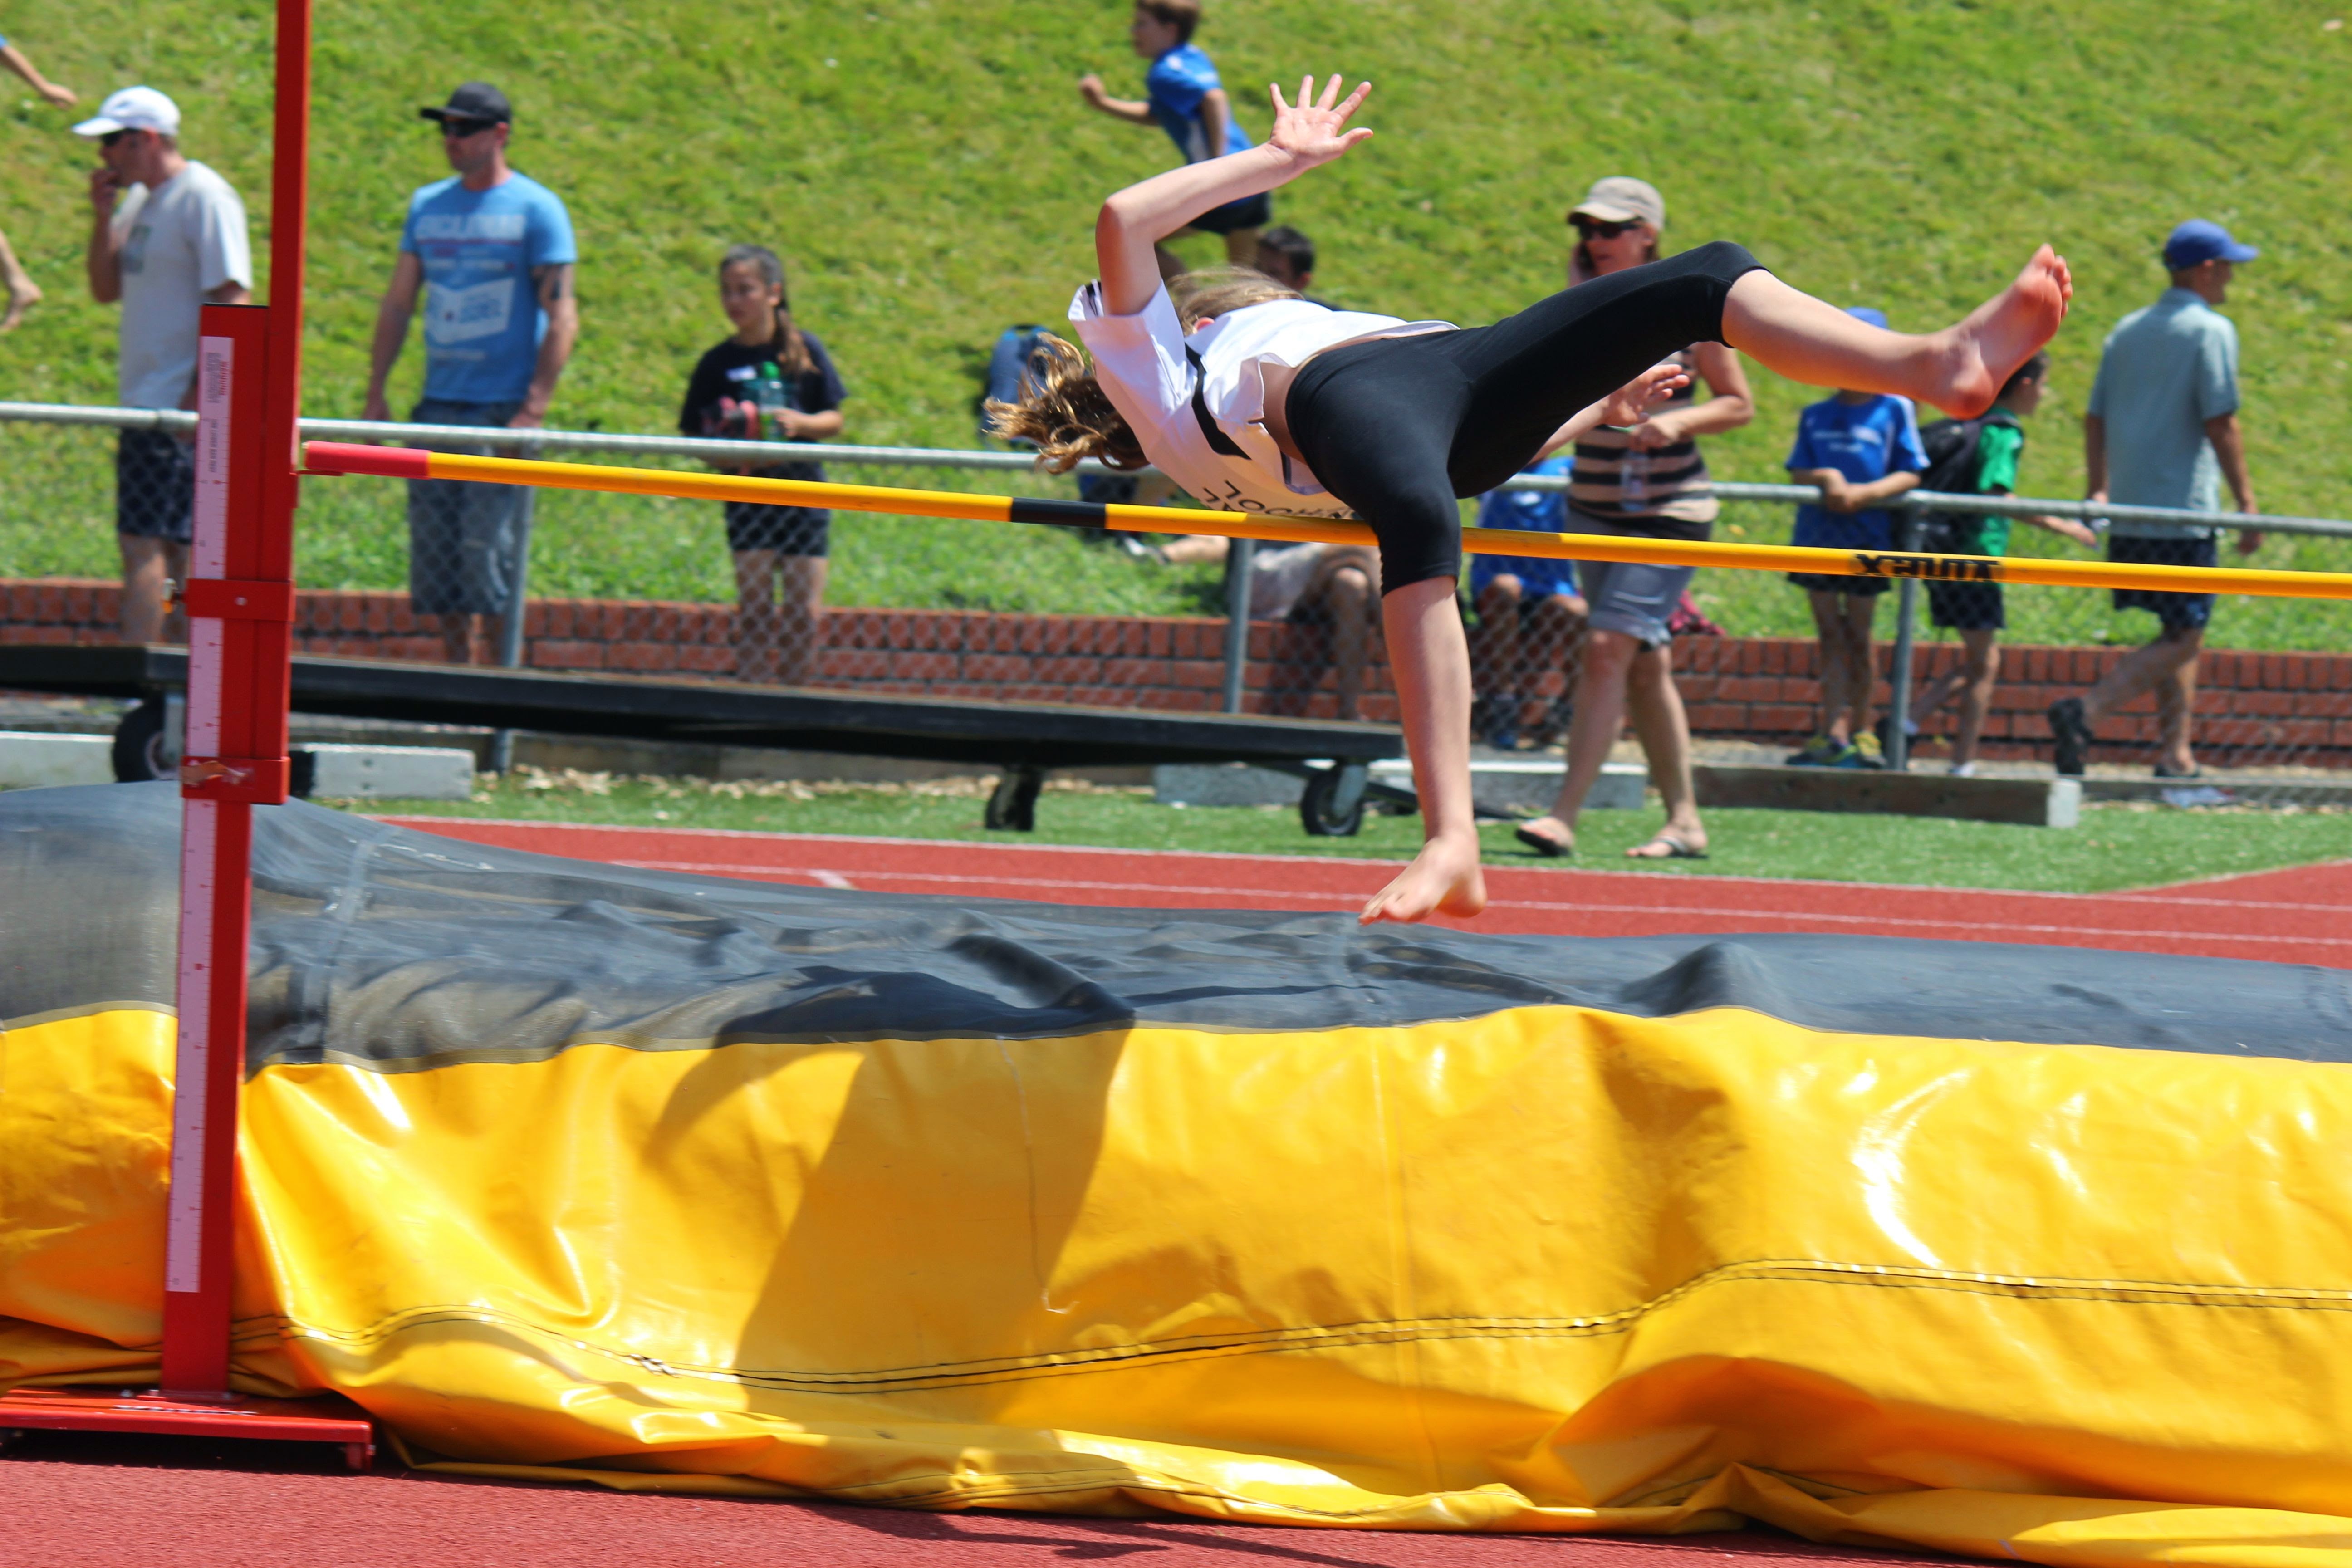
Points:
1063	411
785	341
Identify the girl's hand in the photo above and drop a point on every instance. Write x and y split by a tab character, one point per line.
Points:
1629	403
1313	131
1651	435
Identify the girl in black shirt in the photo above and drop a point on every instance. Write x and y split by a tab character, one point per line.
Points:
769	382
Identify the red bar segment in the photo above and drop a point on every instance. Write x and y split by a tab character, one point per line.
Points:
382	462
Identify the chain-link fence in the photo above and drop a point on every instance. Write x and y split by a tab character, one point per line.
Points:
559	579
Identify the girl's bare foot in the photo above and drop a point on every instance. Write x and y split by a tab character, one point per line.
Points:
2002	333
23	295
1444	878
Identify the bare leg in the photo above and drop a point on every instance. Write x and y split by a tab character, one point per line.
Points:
756	619
1974	681
1958	369
1349	597
1861	667
1665	728
1830	628
1593	729
147	564
2154	668
2176	710
797	618
1240	248
1559	620
1196	547
469	638
1430	659
23	292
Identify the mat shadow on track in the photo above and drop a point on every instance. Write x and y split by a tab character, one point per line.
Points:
99	1502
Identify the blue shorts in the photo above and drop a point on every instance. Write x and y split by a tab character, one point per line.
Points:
2177	612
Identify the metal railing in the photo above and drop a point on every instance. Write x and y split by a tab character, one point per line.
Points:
1236	643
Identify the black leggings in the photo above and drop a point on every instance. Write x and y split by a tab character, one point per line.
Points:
1400	427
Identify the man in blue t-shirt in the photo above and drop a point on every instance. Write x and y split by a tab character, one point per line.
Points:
491	252
1860	449
1186	97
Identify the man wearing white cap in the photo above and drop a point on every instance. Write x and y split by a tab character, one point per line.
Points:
167	236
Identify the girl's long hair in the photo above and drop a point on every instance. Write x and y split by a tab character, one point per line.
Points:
785	342
1063	411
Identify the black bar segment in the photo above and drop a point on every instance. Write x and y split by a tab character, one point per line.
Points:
1066	513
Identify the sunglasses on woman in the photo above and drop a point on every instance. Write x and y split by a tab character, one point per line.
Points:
1593	229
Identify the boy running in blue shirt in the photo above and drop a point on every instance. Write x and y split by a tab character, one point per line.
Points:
1862	451
1186	97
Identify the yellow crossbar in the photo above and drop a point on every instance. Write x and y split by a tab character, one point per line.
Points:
401	462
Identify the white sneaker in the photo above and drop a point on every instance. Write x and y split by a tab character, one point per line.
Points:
1964	770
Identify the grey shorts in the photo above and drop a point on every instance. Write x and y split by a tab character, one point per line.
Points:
1631	599
465	541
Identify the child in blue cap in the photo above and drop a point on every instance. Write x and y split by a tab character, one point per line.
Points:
1862	451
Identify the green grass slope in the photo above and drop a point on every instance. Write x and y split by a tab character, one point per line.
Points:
931	177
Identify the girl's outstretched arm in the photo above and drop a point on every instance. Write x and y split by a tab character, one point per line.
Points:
1310	133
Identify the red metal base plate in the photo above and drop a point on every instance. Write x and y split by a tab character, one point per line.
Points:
327	1420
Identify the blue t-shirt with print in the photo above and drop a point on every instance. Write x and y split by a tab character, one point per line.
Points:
1176	84
483	320
1865	442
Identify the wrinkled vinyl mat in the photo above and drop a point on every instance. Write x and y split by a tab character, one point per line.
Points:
664	1181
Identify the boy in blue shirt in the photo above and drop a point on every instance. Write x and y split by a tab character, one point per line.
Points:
1862	451
1184	96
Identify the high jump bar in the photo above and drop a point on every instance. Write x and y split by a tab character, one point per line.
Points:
337	458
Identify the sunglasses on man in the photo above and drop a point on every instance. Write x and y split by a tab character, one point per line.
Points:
112	137
456	129
1593	229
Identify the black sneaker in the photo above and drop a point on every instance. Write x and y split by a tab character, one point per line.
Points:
2073	733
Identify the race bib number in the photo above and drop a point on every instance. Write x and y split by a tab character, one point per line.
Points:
461	315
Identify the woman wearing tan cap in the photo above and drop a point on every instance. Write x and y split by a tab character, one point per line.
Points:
1647	480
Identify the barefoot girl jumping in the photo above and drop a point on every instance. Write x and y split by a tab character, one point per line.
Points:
1256	401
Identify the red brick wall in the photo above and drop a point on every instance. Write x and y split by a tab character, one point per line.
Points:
2253	707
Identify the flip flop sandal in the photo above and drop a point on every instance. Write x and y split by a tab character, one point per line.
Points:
1675	850
1550	848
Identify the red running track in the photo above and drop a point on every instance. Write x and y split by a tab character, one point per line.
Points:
2300	915
92	1502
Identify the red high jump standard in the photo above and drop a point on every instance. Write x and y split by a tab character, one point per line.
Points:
240	606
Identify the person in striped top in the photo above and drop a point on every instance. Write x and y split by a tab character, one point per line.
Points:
1646	479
